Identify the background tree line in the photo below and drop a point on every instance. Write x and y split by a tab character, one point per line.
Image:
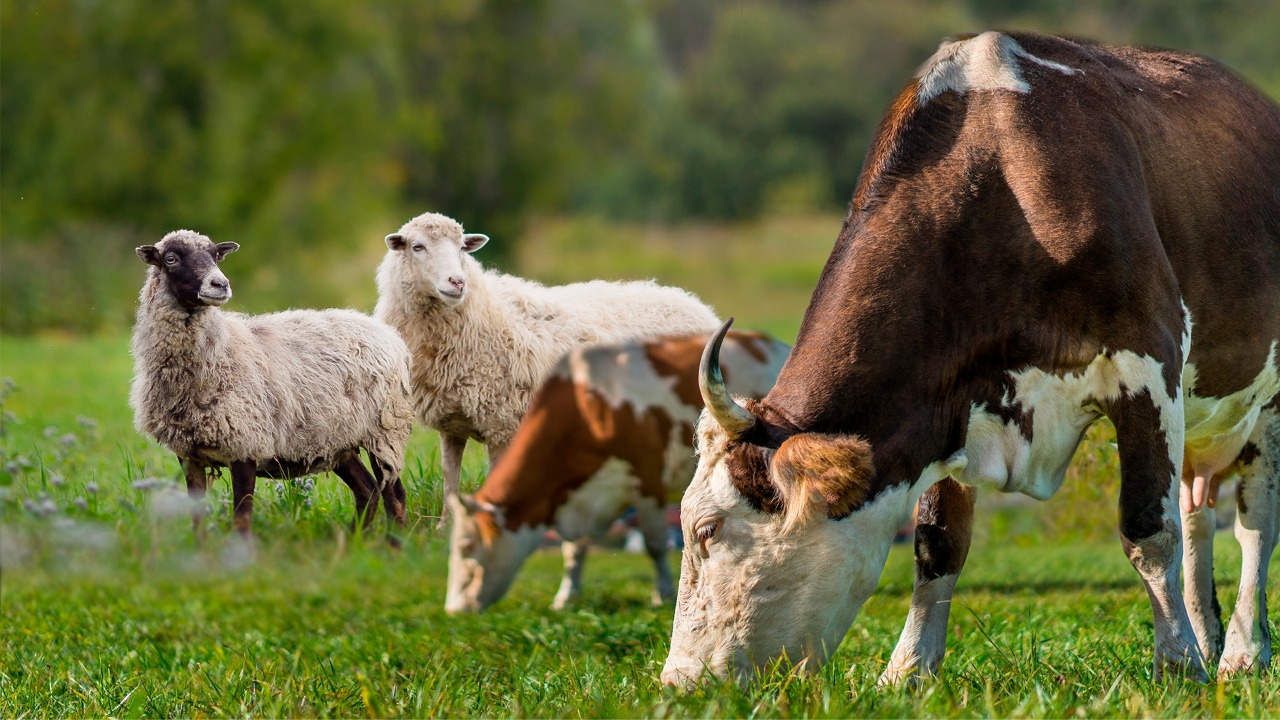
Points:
306	131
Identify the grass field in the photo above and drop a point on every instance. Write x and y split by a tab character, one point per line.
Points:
108	608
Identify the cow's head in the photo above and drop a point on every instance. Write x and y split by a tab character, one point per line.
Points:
484	555
784	541
186	262
426	256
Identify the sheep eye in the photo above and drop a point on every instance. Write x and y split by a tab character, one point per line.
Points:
419	247
467	547
170	259
706	533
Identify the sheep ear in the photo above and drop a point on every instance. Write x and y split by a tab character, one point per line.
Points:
149	254
472	242
395	241
830	474
226	248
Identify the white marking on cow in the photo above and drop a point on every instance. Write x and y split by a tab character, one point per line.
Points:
985	62
1217	428
923	642
1062	406
592	508
1248	642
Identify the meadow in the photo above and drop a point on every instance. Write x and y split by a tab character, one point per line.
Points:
109	608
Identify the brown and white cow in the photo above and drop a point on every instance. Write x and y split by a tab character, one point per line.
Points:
611	428
1044	232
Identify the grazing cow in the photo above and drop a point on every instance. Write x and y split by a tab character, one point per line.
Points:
1044	232
611	428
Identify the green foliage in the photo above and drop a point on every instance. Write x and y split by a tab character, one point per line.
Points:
306	131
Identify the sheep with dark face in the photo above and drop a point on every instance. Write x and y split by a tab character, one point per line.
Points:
279	395
483	341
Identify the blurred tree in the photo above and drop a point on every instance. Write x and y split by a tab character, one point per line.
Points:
306	131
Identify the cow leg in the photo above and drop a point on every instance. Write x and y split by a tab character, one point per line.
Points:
451	447
1248	644
1150	526
575	555
362	485
652	516
1199	592
244	479
944	528
197	476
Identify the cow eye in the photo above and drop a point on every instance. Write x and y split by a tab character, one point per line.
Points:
706	532
170	258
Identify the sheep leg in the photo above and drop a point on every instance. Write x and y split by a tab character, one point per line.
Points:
244	479
451	447
354	474
197	483
394	497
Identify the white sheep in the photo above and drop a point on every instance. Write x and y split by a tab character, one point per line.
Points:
482	341
278	395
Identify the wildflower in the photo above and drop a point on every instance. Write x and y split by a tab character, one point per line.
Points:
56	480
91	487
147	483
50	431
81	504
87	423
68	440
279	488
12	467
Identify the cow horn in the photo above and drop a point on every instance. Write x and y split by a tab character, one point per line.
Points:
729	414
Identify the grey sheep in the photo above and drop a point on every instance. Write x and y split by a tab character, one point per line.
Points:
279	395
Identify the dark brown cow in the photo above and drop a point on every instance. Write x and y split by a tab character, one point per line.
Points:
611	428
1045	231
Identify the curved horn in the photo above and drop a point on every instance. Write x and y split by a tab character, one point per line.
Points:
730	415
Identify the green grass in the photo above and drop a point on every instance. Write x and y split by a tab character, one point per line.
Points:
108	608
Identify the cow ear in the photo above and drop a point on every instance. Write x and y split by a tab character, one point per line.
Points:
828	474
472	242
395	241
149	254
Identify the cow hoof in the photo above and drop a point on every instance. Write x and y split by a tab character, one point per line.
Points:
1241	664
1180	667
904	675
563	603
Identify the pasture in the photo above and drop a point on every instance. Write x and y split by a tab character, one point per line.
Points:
110	609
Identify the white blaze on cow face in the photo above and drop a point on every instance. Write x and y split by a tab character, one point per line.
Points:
432	248
484	557
754	588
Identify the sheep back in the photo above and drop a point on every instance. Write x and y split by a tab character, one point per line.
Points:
475	366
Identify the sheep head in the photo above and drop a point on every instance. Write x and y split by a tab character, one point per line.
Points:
188	263
430	250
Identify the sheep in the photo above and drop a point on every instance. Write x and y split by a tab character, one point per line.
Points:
280	395
482	341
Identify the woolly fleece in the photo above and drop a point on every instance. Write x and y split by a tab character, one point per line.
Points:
301	386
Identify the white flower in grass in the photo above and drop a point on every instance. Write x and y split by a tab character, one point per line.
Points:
149	483
91	487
